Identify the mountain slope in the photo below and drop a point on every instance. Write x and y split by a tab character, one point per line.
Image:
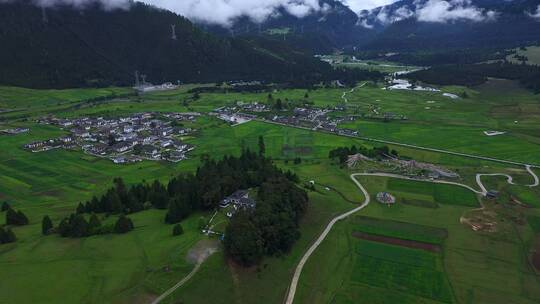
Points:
333	27
504	24
64	47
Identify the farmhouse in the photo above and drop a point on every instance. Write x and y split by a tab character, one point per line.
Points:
239	199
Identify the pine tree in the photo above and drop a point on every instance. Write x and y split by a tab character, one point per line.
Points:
262	147
23	220
64	228
79	226
46	225
10	236
16	218
94	224
2	235
178	230
7	236
81	209
123	224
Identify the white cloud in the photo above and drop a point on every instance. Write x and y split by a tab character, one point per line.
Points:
225	11
535	14
451	10
386	17
107	4
359	5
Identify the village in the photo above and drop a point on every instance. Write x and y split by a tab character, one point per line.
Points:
305	117
141	136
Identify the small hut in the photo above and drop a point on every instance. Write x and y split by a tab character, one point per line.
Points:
386	198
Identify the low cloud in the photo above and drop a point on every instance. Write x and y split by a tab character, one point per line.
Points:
358	5
437	11
445	11
386	17
536	14
224	12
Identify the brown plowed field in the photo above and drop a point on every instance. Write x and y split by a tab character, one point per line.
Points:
396	241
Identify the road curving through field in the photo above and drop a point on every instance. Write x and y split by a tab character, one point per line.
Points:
483	191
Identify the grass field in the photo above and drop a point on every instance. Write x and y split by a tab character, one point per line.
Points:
400	230
16	98
129	268
411	271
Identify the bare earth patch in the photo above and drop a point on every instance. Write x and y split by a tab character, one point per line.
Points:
202	250
396	241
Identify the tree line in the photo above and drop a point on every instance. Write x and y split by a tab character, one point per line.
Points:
476	74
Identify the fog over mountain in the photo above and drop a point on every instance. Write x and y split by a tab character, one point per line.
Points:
224	12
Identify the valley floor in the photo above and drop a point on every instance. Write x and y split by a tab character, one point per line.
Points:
348	266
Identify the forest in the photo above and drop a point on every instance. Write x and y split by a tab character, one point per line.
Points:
476	74
61	47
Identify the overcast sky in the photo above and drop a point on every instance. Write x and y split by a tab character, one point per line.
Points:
225	11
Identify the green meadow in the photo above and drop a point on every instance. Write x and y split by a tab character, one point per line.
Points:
130	268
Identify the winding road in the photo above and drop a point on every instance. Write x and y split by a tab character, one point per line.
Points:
178	285
298	271
344	96
299	268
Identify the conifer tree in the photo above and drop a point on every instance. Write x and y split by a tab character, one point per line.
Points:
123	224
178	230
46	225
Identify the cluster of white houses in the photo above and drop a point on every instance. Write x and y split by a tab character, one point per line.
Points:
316	119
232	115
140	136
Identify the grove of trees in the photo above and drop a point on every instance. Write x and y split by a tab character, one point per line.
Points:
270	229
342	153
7	236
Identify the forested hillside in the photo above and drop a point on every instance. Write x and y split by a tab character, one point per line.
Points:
475	74
64	47
333	27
